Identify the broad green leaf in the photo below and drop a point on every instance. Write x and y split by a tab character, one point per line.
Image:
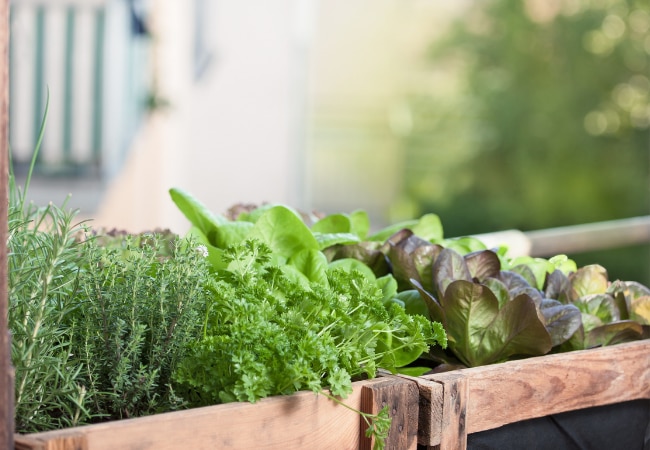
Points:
614	333
464	245
413	302
255	214
602	306
360	224
387	232
350	264
532	275
231	233
197	213
334	223
214	253
591	279
326	240
563	264
428	227
388	286
283	231
312	264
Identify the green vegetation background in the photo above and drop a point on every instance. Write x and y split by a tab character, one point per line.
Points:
552	126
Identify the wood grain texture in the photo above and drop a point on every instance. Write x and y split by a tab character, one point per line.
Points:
453	432
300	421
402	397
6	372
536	387
65	441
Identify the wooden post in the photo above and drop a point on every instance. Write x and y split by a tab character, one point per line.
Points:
6	371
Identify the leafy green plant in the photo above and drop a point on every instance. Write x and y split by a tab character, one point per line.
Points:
265	333
611	312
43	263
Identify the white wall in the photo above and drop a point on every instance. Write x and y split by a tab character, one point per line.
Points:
233	135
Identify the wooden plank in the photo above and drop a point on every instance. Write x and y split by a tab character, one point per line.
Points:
6	372
302	420
402	397
453	432
510	392
65	441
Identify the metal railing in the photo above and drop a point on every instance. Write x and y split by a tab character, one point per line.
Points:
573	239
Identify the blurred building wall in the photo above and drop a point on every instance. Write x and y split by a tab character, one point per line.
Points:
230	134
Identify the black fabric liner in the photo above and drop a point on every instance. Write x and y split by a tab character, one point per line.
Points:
624	426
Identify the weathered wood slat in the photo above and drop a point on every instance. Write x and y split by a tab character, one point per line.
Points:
500	394
402	399
302	420
6	372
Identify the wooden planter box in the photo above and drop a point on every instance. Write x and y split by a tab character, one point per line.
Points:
303	420
457	403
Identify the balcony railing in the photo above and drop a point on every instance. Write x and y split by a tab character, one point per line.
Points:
93	58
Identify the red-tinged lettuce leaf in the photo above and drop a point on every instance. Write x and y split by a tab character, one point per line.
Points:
625	294
480	333
561	321
411	257
436	313
558	287
499	289
591	279
614	333
449	267
518	285
483	264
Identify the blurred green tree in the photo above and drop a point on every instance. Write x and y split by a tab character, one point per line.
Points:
552	125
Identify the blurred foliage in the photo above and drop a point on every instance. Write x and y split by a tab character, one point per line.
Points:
551	126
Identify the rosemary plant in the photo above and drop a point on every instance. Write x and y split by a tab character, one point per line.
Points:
43	260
